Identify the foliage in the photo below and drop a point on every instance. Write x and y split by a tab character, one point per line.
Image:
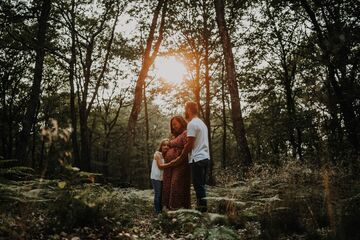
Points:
17	173
297	70
292	107
220	232
268	204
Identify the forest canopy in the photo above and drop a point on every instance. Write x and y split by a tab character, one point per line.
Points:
106	68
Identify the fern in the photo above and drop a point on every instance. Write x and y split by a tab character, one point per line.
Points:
6	163
10	169
220	232
17	173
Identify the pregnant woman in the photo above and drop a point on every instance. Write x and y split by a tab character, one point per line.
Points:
176	180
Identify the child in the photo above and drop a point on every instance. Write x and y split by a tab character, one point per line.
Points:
157	173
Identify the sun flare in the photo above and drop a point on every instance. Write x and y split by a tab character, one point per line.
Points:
170	69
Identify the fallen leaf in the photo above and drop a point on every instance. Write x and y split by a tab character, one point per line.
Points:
61	184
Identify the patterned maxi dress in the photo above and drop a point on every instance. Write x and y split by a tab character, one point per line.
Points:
176	180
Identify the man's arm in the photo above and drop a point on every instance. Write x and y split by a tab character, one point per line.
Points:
187	149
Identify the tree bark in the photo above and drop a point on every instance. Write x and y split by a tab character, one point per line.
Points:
197	87
237	119
6	132
85	106
72	64
207	85
85	160
33	144
148	60
290	104
335	134
224	120
30	115
147	135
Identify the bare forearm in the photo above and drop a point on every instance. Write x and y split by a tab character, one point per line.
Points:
163	166
185	152
183	156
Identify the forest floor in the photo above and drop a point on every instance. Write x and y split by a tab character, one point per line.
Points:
293	202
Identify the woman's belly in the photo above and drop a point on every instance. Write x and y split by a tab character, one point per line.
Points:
172	153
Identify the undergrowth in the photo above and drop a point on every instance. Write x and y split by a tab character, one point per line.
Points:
291	202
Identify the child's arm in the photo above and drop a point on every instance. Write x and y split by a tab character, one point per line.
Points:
162	165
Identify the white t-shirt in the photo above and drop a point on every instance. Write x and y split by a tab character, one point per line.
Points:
197	128
156	173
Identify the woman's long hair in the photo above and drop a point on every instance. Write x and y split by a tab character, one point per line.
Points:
182	122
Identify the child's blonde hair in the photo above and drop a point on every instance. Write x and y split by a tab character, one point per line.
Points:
162	143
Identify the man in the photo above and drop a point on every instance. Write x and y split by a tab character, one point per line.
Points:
197	149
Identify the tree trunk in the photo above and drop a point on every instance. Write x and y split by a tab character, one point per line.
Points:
347	110
33	147
290	108
197	87
147	136
42	155
84	140
106	141
197	54
237	119
342	90
287	75
33	150
207	86
30	115
298	144
335	136
148	60
6	135
85	105
224	121
106	160
83	116
72	64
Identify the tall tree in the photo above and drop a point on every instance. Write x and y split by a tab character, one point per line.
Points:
336	31
147	133
91	80
69	15
109	111
72	69
284	44
224	119
30	115
206	36
148	59
236	114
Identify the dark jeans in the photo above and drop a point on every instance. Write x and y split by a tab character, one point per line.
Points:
199	170
157	185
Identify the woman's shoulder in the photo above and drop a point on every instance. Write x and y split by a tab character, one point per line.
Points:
184	133
180	136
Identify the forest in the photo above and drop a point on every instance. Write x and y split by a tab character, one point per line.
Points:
89	89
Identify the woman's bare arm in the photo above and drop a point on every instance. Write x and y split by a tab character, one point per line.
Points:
187	149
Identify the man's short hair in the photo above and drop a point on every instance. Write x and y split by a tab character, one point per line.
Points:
192	106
